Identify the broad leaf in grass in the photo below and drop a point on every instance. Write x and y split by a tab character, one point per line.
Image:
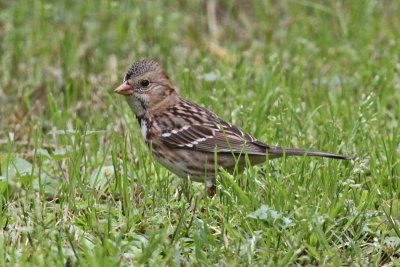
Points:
269	215
101	176
21	171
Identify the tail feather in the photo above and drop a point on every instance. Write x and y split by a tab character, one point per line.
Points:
275	152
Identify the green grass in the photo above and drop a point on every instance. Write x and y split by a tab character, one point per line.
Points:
78	186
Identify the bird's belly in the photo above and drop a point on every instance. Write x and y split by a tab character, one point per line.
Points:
198	166
178	168
186	165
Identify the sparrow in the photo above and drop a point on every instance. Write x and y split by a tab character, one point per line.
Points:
188	139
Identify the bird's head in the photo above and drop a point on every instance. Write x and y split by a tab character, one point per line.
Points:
145	86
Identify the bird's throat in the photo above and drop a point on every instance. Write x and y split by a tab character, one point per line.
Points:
137	105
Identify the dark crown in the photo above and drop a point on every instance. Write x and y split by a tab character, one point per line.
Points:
141	67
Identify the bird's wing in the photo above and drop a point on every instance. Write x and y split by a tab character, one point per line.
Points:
198	128
214	136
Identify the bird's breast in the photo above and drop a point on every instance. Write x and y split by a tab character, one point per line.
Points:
148	129
143	128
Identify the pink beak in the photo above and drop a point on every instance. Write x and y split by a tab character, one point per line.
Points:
124	89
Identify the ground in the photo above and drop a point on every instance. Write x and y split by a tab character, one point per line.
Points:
78	186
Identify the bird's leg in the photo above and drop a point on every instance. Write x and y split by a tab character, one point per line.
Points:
186	188
176	195
183	190
210	187
192	207
211	190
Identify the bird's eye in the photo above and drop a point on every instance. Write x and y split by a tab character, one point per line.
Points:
144	83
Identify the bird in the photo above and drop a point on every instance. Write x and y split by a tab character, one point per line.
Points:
188	139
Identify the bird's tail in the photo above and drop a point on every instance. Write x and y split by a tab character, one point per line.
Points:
275	152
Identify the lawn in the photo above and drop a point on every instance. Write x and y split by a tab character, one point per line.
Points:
79	187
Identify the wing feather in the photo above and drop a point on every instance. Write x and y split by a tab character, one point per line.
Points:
198	128
222	137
